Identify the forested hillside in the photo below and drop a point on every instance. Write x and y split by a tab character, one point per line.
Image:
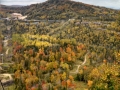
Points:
62	45
63	9
87	50
66	9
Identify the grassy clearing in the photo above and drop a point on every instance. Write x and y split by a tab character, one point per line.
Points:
11	87
80	85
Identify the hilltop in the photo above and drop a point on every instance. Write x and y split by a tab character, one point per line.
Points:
64	9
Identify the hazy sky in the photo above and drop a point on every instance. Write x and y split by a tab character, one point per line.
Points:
106	3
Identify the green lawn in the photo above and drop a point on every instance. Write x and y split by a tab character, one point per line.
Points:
12	87
80	85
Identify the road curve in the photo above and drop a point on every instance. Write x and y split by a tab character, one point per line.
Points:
78	66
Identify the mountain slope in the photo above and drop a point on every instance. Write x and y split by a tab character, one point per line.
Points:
63	9
66	9
5	10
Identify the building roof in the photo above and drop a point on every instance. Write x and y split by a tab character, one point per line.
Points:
17	14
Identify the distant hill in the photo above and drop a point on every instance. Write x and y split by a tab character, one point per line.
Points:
63	9
4	10
66	9
15	6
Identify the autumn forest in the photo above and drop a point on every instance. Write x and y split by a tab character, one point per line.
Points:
61	45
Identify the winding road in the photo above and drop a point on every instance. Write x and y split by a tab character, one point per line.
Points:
78	66
7	51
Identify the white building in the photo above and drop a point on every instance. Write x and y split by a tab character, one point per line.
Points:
22	17
18	16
